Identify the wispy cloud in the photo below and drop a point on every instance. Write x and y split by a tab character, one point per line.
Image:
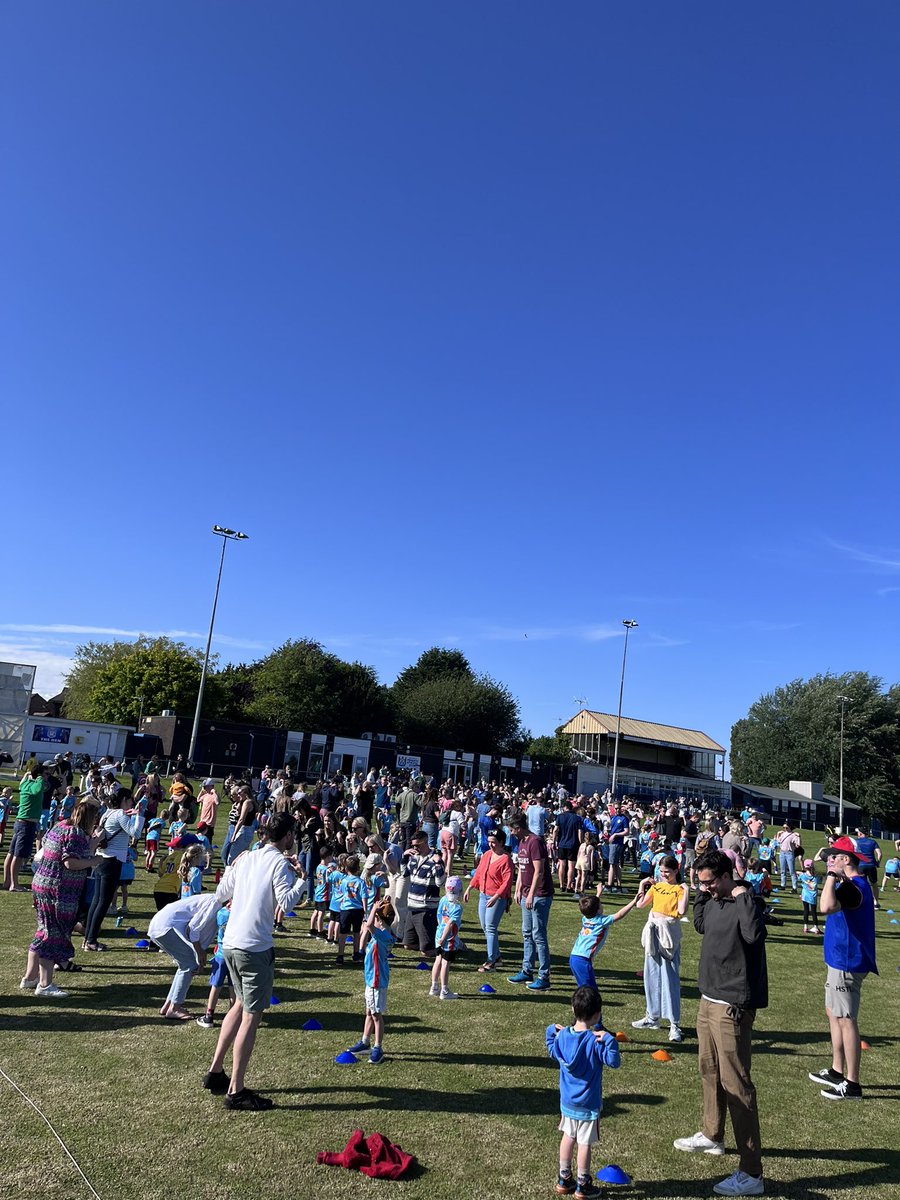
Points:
886	591
886	561
544	633
104	631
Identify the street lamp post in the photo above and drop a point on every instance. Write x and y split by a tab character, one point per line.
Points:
226	535
844	701
629	625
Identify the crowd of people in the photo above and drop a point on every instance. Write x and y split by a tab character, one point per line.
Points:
378	861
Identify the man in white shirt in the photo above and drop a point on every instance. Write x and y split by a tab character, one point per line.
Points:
255	883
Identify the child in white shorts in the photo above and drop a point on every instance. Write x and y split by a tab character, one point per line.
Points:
377	940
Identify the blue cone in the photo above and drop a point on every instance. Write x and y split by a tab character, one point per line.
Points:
893	920
143	944
274	1000
311	1025
424	966
613	1174
348	941
346	1059
290	914
488	990
890	912
774	901
215	847
131	931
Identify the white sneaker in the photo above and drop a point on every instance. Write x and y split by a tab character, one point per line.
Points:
434	990
645	1023
52	991
449	995
675	1034
28	985
740	1184
698	1142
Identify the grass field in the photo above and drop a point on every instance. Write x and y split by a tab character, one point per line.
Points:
467	1087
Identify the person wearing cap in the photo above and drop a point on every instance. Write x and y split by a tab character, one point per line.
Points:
446	939
849	949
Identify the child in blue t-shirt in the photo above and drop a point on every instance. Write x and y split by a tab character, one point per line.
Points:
377	940
191	871
809	887
594	930
154	829
353	904
335	879
321	893
218	976
5	801
582	1050
127	876
447	939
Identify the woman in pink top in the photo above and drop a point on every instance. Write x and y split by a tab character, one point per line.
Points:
209	804
493	878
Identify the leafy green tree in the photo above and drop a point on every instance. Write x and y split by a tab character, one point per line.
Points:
459	711
555	749
237	687
302	686
431	665
794	733
90	660
157	673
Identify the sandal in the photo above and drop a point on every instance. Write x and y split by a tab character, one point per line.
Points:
69	965
93	947
175	1014
488	966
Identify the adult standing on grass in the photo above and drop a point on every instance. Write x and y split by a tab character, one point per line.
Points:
788	845
255	884
116	830
31	803
849	947
243	827
68	852
733	984
568	839
493	879
424	869
534	892
618	831
208	799
869	854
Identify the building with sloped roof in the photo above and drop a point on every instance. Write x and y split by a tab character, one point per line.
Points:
656	761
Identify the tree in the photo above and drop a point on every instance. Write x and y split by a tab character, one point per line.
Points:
459	711
90	660
432	665
237	689
555	749
301	686
794	733
150	673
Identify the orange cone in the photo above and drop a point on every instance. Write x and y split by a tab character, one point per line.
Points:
862	1045
661	1056
622	1037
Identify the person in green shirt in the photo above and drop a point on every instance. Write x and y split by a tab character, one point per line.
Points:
31	802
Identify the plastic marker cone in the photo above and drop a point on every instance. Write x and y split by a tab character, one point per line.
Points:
661	1056
865	1046
274	1000
143	944
640	974
290	914
487	990
613	1174
131	931
423	966
893	921
346	1059
622	1037
348	941
890	912
311	1025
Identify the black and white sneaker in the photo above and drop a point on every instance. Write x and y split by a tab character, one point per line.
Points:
827	1078
843	1091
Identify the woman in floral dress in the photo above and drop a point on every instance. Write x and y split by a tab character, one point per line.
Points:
68	852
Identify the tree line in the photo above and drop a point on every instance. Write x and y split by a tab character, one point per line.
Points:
437	701
794	732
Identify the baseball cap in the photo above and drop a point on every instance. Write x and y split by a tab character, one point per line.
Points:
209	783
844	845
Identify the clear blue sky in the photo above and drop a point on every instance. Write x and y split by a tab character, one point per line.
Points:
483	320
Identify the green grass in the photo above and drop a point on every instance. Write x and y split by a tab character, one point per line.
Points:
467	1087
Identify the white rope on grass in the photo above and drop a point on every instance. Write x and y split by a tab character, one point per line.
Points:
49	1125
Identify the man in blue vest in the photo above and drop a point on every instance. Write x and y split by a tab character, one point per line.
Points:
849	948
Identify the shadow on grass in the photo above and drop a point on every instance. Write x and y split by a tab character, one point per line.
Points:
542	1102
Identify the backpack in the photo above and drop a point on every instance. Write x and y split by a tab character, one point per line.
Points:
703	843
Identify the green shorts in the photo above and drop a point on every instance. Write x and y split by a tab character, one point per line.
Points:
252	976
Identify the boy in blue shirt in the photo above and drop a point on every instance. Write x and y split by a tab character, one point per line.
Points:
377	940
594	929
582	1050
809	887
219	977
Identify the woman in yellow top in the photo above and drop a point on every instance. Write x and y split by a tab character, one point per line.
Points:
661	939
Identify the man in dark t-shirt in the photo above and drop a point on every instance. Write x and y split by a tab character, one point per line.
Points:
568	839
534	892
669	827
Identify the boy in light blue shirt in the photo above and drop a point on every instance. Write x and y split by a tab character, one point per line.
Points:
592	936
809	889
446	938
377	940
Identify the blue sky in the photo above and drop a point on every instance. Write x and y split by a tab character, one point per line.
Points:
481	320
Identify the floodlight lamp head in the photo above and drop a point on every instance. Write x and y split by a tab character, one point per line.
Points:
630	624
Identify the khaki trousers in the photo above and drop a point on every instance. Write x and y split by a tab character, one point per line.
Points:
724	1035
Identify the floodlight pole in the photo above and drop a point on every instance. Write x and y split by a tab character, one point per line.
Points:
226	535
629	625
